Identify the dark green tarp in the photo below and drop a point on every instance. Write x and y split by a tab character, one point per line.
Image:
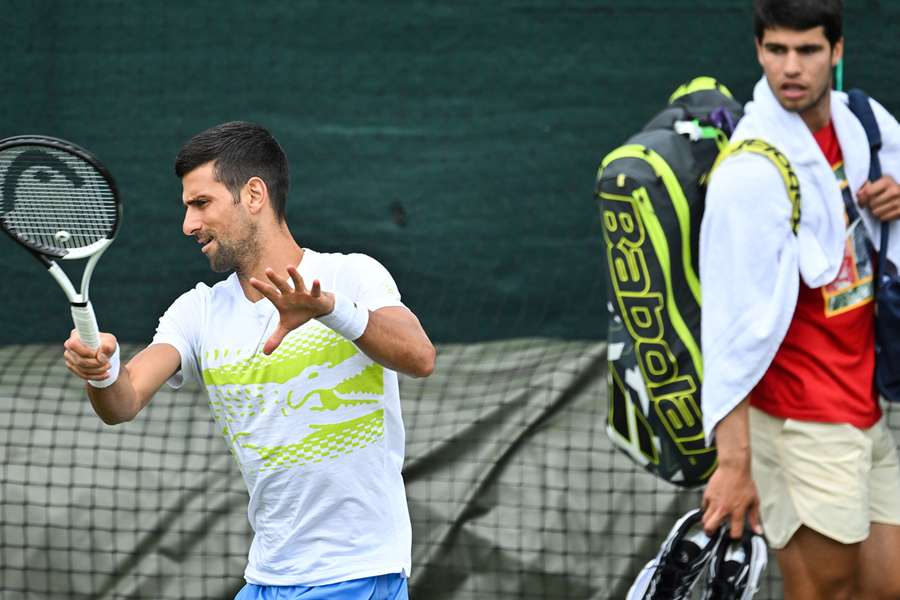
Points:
457	142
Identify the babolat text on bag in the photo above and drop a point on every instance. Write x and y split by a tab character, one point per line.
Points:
651	194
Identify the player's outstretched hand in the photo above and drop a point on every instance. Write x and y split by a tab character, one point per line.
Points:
86	362
295	305
882	197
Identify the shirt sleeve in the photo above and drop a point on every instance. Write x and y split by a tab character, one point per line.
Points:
368	283
180	327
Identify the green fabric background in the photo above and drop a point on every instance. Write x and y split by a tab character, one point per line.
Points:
482	123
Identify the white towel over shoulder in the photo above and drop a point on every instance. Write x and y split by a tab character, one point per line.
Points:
750	258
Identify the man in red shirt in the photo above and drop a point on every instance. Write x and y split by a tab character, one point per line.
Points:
804	450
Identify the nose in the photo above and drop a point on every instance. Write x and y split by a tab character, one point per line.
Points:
191	222
792	63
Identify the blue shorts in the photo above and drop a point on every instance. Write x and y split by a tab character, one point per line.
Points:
382	587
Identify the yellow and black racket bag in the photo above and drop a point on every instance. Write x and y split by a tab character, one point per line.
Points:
651	194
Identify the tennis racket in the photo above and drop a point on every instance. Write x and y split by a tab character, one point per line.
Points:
60	203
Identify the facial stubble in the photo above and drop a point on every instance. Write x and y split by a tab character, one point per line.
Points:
239	255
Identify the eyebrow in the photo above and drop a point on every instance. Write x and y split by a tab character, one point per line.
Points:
196	199
800	48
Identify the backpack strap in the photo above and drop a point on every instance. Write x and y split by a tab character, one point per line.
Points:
860	106
791	183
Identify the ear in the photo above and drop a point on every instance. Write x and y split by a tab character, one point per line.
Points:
759	51
255	194
837	53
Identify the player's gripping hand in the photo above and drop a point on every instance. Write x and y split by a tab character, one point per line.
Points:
730	497
882	197
295	305
86	362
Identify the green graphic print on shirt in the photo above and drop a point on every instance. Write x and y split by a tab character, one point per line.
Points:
317	392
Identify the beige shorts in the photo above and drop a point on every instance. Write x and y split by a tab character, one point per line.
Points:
831	477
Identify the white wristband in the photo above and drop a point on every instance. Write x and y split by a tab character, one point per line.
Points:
113	372
347	318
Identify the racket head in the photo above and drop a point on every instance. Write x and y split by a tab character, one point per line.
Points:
56	198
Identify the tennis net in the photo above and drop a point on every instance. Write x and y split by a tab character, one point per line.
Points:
513	487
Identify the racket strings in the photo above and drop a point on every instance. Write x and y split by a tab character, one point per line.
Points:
53	199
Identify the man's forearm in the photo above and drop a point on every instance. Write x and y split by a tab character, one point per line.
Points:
731	496
733	437
138	381
117	403
396	340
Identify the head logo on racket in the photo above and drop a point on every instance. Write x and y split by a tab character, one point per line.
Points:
59	202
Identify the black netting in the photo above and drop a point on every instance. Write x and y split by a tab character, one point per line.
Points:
513	487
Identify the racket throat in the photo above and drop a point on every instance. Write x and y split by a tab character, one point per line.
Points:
60	276
71	293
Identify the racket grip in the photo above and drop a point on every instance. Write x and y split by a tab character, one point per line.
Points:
86	324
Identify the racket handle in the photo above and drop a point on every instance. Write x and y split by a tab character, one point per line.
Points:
86	324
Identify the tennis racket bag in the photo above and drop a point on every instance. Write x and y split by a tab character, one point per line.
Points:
651	195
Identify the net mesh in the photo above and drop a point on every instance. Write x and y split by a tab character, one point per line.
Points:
513	487
54	201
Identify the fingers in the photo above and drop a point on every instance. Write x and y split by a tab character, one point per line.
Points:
90	364
75	345
755	519
107	347
98	374
863	196
737	523
714	517
729	499
874	188
278	282
296	305
275	339
91	367
267	290
92	361
882	197
712	520
887	211
296	278
878	194
280	285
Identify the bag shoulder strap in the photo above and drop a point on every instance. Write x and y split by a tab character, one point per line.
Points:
791	183
861	107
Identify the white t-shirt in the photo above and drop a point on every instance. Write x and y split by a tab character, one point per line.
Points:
315	427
